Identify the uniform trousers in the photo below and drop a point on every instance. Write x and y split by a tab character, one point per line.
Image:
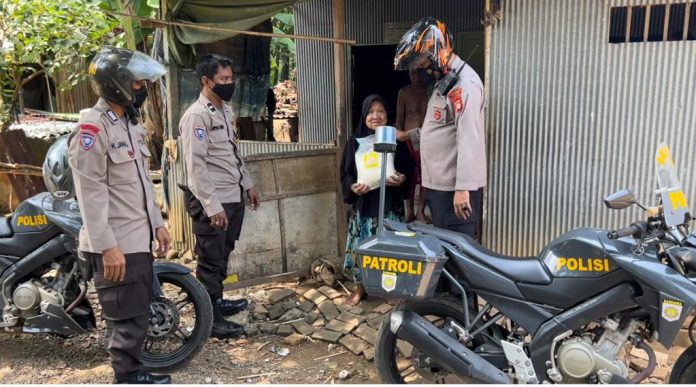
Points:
125	307
213	245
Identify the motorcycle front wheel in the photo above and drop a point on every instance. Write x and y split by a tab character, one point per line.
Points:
180	323
684	370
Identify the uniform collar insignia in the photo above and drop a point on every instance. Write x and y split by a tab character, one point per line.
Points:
112	116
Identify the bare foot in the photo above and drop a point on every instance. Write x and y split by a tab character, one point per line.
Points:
357	296
422	218
410	218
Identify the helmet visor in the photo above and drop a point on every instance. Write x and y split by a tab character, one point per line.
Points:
144	67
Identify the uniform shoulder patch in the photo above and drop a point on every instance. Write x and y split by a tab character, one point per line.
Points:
199	131
112	116
210	108
88	136
455	97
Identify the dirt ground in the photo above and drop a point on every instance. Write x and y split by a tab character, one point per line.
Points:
39	359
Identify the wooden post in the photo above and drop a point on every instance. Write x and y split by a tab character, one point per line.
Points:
338	11
488	35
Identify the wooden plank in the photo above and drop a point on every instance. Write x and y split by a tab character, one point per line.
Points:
268	279
338	10
686	21
14	149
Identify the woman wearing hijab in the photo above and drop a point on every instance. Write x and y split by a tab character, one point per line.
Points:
365	212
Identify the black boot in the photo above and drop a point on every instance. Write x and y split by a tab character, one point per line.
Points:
223	329
230	307
142	377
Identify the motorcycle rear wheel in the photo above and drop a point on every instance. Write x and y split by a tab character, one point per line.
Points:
180	323
684	370
394	366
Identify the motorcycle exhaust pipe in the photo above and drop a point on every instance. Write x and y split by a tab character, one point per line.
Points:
446	350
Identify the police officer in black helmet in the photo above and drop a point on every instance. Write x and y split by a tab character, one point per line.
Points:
109	160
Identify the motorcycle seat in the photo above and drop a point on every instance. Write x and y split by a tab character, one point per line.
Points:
519	269
6	227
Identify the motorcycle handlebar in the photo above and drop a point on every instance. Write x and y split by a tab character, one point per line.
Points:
634	229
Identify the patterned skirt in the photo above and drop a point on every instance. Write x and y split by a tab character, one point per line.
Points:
359	229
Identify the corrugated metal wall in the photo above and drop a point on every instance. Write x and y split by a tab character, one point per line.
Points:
573	118
315	73
364	23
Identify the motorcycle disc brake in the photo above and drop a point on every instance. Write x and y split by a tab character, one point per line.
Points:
164	319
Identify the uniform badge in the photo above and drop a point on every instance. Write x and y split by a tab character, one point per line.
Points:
210	108
671	310
112	116
388	281
88	136
437	115
87	139
199	131
455	97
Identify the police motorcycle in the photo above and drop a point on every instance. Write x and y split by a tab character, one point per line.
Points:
570	315
44	281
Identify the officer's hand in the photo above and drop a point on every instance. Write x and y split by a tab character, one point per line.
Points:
114	264
396	179
253	199
360	189
164	241
462	208
219	220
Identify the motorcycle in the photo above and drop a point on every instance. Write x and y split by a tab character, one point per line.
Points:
44	283
573	314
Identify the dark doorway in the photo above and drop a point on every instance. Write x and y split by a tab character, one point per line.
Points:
373	73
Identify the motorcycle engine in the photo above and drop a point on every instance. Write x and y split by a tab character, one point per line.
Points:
29	295
582	360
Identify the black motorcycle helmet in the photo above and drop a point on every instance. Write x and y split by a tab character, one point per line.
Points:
56	171
114	70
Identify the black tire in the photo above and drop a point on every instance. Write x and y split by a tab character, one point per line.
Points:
684	370
193	344
385	348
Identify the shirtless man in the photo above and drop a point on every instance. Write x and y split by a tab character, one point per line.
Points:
411	106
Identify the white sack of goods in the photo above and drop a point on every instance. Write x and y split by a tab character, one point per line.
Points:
369	162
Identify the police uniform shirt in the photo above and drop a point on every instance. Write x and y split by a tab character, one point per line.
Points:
452	139
110	163
216	171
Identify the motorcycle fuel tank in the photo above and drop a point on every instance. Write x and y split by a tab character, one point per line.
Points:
578	254
29	216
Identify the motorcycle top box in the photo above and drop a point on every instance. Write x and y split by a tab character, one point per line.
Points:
401	264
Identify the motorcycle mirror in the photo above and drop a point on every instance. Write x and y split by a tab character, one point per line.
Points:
620	200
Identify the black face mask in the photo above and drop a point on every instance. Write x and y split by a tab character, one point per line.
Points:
140	96
224	91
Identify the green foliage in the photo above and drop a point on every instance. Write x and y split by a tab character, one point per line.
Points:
40	37
134	34
283	59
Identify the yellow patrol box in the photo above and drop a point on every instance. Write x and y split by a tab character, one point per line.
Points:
401	264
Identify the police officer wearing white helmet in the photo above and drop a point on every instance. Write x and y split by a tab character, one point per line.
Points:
452	139
109	159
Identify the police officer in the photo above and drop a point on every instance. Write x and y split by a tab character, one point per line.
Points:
109	161
452	140
217	180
